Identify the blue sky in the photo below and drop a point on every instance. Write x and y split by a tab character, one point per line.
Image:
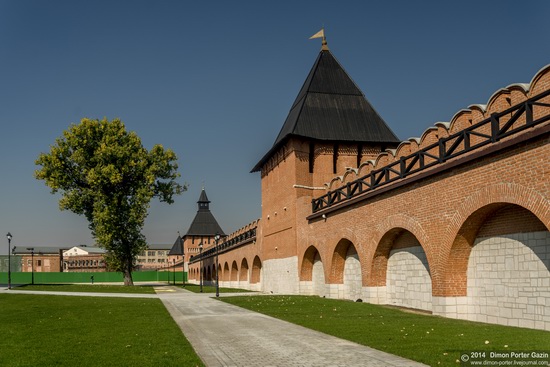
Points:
214	81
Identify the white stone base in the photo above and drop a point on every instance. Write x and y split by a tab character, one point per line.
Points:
408	279
280	276
508	283
256	287
452	307
306	288
509	280
374	295
352	276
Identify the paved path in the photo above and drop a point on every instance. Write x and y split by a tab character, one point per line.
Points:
226	335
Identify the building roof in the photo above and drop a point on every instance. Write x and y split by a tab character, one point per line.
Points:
93	250
158	246
86	250
204	223
203	198
177	248
16	250
330	107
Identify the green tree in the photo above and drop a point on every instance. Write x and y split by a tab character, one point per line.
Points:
104	173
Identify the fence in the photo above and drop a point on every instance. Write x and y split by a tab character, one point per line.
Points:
99	277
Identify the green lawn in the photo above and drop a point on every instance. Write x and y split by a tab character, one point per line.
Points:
212	289
45	330
99	288
432	340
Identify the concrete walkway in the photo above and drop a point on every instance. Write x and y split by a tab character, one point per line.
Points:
226	335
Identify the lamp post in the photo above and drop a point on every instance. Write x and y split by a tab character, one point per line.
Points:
32	264
9	236
200	263
182	262
174	270
217	238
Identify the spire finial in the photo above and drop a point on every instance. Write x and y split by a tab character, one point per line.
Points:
321	34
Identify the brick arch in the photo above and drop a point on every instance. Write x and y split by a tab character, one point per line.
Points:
467	221
208	274
308	258
384	236
226	271
328	246
220	272
234	271
455	281
243	274
213	272
509	193
336	275
255	275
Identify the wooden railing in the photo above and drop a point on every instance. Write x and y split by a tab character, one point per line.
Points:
488	131
225	246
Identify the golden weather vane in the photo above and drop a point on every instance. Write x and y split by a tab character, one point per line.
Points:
321	34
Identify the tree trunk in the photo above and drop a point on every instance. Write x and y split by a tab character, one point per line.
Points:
128	273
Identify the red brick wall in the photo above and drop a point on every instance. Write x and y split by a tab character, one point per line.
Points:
498	193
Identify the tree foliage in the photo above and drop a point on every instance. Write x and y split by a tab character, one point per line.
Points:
104	173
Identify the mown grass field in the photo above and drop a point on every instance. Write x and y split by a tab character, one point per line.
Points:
96	288
432	340
46	330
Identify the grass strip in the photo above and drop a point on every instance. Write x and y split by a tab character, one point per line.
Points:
95	288
46	330
435	341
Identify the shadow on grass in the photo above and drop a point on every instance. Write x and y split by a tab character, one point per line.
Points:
211	289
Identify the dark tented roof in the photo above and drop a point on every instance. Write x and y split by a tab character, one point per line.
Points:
204	223
331	107
203	198
177	248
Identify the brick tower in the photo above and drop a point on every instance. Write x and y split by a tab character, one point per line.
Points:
330	126
202	231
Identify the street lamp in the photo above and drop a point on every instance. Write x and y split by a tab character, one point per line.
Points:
200	263
32	264
217	238
174	270
182	262
9	236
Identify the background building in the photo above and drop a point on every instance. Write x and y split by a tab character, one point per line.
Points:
83	259
155	257
40	259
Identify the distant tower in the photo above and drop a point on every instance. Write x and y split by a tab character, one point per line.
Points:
330	126
202	230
